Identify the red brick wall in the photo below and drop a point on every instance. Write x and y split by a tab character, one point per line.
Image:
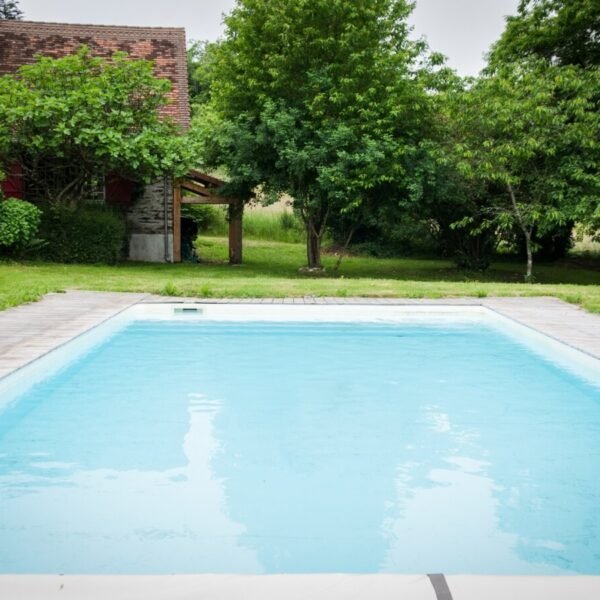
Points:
21	41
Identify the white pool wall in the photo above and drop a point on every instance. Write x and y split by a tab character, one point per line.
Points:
579	363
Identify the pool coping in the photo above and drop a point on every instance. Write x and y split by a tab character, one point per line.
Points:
296	587
31	331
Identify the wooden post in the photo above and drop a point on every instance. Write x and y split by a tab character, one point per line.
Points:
236	212
176	221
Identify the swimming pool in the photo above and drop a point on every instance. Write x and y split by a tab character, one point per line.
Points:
262	439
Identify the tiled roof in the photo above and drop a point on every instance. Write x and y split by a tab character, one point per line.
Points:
21	41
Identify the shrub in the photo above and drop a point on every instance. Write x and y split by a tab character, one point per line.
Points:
87	234
407	236
473	246
474	252
19	223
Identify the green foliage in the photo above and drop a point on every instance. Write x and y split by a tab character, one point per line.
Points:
318	99
565	32
282	226
86	117
169	289
554	244
210	219
9	10
276	227
201	61
404	236
529	135
473	251
19	222
86	234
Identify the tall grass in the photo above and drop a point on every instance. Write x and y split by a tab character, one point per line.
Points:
585	247
275	227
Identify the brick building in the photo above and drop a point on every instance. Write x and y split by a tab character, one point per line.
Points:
153	231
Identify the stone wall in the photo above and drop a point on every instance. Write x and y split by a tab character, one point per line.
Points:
146	223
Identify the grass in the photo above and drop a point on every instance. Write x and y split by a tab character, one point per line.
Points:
270	269
283	226
280	227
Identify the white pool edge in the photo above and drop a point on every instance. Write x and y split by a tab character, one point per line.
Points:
576	361
295	587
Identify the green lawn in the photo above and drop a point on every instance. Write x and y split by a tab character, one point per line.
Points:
271	269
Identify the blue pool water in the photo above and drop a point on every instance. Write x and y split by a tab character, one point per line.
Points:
188	447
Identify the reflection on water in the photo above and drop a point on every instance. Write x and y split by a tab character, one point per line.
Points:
111	520
302	449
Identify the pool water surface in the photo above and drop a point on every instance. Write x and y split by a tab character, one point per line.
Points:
255	447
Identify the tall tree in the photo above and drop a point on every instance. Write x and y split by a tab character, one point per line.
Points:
532	134
565	32
10	11
316	98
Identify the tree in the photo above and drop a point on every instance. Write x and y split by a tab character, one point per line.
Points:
69	120
315	98
10	11
531	132
200	64
565	32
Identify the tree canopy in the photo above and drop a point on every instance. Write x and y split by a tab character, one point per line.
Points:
565	32
10	11
84	117
200	61
532	132
332	103
319	99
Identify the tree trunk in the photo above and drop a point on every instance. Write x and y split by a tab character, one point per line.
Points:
236	213
529	274
338	262
527	232
313	246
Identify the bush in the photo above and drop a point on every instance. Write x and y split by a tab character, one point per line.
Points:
19	222
472	246
87	234
389	238
473	251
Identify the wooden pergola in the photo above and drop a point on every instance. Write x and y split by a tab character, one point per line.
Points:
200	188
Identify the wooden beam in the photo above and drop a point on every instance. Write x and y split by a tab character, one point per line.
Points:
176	221
205	200
186	184
204	177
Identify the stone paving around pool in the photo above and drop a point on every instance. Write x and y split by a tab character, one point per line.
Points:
32	330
